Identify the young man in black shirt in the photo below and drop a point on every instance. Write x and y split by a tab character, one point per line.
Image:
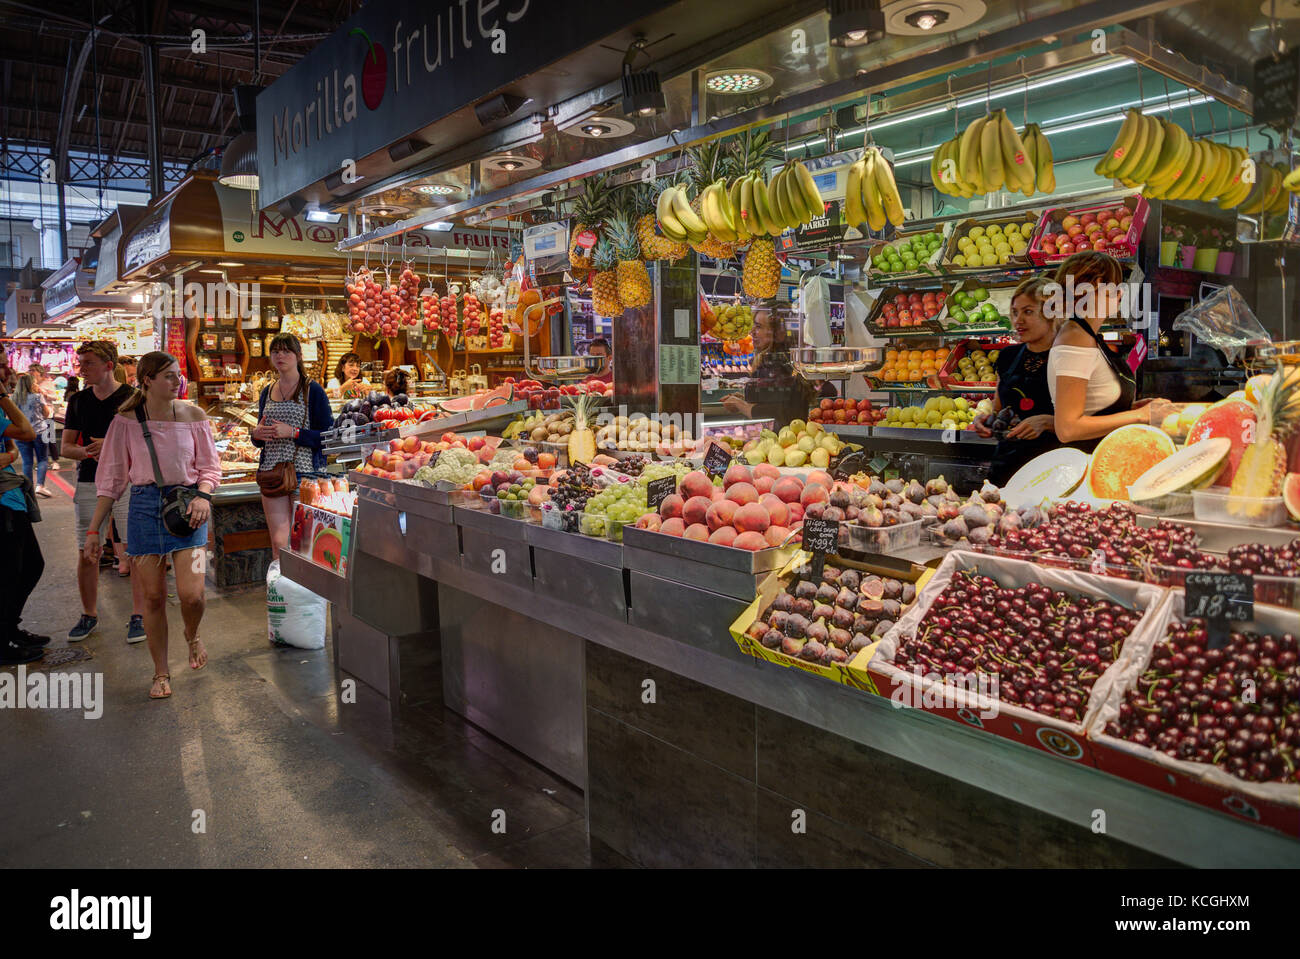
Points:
86	424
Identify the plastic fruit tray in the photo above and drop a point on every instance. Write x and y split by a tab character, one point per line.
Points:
1273	805
1124	247
1217	505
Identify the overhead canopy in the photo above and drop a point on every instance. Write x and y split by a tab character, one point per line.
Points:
70	291
107	265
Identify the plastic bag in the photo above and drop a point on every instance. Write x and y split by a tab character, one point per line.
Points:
295	616
1224	321
815	303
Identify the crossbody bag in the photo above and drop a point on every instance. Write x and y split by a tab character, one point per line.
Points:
281	479
176	501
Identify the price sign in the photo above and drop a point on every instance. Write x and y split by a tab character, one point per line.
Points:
820	536
657	490
716	459
1221	599
1277	90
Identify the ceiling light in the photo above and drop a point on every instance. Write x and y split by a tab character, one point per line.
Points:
926	19
601	128
322	216
595	129
441	226
642	93
510	163
743	80
855	22
434	189
239	163
228	263
213	272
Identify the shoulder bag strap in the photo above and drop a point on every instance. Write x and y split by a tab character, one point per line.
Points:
148	441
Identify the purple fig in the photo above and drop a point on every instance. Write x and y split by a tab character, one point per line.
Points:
791	646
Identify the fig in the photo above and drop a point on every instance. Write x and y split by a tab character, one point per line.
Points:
929	510
859	642
805	589
914	492
858	497
803	607
872	517
815	510
791	646
826	593
783	603
846	598
850	579
796	626
823	611
955	528
909	593
892	517
882	627
757	631
990	493
871	607
843	619
1008	522
812	650
773	639
863	623
830	574
817	632
980	535
877	501
891	608
912	511
840	637
873	588
877	488
893	501
937	486
840	498
895	486
893	588
833	514
948	511
835	655
852	513
778	619
975	516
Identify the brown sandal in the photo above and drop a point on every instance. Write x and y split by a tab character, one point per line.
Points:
201	654
161	682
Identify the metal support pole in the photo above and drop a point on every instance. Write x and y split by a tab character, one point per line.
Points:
152	87
63	223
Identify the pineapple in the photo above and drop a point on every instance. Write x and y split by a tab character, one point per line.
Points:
709	162
748	156
633	281
582	441
654	246
589	210
604	282
1263	465
762	272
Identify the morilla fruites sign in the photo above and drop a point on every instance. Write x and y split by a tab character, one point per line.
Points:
398	66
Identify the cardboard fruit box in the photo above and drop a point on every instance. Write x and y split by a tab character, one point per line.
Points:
976	707
851	673
951	248
877	320
1122	247
999	296
1274	805
949	373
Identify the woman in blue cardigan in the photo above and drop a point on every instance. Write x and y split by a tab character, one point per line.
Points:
291	415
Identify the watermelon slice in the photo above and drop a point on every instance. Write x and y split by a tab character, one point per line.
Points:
1233	420
1291	494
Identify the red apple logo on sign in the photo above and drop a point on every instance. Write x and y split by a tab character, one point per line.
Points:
374	71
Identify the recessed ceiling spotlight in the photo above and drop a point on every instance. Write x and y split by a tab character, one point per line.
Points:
510	163
601	128
434	189
918	18
383	209
854	23
927	20
740	80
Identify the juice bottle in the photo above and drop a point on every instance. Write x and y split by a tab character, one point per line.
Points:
307	492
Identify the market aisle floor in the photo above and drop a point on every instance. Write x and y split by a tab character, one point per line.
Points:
283	773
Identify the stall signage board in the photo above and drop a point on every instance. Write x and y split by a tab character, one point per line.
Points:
61	296
1220	598
1277	90
716	459
819	233
679	364
246	230
820	537
106	267
150	240
658	490
399	66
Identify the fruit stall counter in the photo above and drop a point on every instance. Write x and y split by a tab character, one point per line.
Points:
613	665
238	537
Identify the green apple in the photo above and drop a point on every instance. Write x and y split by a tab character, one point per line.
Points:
776	455
798	426
786	437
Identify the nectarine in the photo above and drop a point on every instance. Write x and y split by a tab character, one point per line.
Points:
777	511
673	526
752	518
750	541
776	535
696	509
818	476
697	531
723	536
767	469
788	489
813	493
670	506
696	483
743	493
736	473
720	514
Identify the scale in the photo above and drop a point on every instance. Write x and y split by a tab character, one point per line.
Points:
554	369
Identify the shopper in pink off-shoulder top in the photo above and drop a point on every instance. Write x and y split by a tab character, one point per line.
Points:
187	456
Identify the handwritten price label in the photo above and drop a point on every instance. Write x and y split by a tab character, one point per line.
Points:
1220	597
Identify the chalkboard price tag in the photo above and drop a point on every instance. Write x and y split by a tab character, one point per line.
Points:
1221	599
820	536
716	459
656	491
1277	90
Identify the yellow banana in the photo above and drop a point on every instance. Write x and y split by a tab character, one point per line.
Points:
714	213
1045	168
936	166
1237	189
766	215
1119	150
733	199
888	189
1030	142
876	218
812	198
748	215
695	228
664	207
854	212
991	156
1174	154
968	153
1292	180
1188	174
1222	175
776	197
1276	198
1016	167
1137	151
1155	143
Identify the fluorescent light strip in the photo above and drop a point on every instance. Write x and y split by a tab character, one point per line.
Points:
976	100
1049	131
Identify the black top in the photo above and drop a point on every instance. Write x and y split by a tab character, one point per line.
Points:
90	417
1022	381
776	392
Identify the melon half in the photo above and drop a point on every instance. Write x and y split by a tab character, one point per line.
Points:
1291	494
1234	420
1123	456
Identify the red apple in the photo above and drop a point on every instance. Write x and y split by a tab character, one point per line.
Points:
1068	222
1099	244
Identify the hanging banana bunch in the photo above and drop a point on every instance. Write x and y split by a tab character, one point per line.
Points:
990	155
871	194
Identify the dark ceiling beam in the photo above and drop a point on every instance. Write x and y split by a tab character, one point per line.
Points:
56	110
71	94
303	21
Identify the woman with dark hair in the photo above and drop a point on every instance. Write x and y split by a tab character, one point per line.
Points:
347	375
72	388
1093	389
291	415
773	391
186	456
396	382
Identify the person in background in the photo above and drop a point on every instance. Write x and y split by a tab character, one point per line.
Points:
21	562
291	415
1022	385
47	431
396	382
187	456
72	389
90	414
8	378
127	365
773	391
347	376
35	455
1093	390
600	347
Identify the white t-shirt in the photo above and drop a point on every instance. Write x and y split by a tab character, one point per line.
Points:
1085	363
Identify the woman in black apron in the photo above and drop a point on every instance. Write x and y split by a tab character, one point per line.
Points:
1022	386
1093	388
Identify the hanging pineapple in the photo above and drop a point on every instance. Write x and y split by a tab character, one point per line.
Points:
604	281
633	281
654	246
589	211
709	163
1263	465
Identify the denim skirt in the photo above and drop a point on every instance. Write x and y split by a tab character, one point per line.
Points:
147	535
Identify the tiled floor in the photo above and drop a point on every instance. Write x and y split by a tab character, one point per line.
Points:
282	772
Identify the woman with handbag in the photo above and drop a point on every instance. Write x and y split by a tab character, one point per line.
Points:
292	413
165	450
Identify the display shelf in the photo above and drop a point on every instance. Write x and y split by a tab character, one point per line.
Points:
937	392
952	334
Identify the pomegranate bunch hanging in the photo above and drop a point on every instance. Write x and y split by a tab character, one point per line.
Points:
365	303
406	296
473	315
